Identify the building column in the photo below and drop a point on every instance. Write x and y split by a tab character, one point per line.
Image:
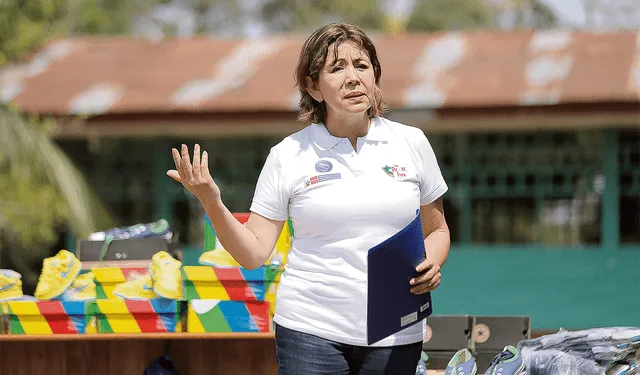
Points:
611	192
162	162
464	188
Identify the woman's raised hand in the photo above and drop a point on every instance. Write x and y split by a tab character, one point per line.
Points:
194	177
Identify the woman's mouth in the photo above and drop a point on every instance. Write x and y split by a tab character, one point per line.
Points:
353	95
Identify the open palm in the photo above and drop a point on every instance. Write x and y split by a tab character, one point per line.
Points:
194	177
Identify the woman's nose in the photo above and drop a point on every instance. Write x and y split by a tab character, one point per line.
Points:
351	76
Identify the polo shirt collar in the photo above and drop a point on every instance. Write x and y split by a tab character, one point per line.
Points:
378	131
321	136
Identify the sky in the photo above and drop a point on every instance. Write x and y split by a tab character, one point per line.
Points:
571	14
621	13
568	10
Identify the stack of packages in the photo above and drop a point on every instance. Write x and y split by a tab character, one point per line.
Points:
598	351
137	296
72	300
222	296
60	302
159	296
139	300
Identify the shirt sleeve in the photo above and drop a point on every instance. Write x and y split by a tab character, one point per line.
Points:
271	199
432	184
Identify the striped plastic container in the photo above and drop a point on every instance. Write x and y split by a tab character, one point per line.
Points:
46	317
210	315
128	316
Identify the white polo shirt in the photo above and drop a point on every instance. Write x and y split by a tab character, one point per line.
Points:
342	203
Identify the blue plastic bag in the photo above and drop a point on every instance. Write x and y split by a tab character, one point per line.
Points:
162	365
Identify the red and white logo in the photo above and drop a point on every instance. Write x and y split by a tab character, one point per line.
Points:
395	171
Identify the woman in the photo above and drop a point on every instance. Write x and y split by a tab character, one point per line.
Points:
348	181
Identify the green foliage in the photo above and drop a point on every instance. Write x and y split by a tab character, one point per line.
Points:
544	17
42	192
29	155
29	209
218	17
446	15
26	24
293	15
29	216
523	14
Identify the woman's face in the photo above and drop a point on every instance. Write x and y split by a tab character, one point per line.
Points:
346	84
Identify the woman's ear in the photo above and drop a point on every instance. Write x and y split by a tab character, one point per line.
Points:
312	89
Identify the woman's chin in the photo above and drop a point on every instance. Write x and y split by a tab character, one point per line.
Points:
357	107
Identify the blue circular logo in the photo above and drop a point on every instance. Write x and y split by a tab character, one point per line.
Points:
324	166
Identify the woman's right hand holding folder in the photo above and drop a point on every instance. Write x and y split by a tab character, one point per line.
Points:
429	277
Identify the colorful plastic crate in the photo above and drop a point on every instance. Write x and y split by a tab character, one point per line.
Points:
128	316
232	283
46	317
283	244
210	238
207	315
106	279
4	320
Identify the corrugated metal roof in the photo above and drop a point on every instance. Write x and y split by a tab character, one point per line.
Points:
438	70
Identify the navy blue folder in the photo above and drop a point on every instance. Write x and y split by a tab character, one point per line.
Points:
391	307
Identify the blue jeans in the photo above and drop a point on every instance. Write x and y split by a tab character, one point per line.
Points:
299	353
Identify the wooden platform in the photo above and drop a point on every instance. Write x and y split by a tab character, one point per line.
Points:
140	336
111	354
116	354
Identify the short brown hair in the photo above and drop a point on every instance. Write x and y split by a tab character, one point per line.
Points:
313	57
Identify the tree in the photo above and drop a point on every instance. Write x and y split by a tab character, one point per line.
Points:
186	18
218	16
293	15
448	15
529	14
533	14
26	24
42	191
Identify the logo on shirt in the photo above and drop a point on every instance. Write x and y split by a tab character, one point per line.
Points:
324	166
321	178
395	171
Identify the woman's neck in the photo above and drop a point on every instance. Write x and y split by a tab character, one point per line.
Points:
350	127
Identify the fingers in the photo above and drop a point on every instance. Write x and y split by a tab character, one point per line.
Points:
426	281
427	286
205	164
430	274
176	159
427	263
185	171
175	175
196	160
424	288
423	278
186	164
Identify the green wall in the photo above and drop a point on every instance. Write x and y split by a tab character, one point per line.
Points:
573	289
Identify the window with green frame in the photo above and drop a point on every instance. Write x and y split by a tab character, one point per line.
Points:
129	176
121	173
537	188
629	175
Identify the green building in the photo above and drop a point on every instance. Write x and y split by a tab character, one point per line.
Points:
537	134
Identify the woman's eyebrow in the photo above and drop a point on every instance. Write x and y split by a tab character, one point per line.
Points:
342	59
